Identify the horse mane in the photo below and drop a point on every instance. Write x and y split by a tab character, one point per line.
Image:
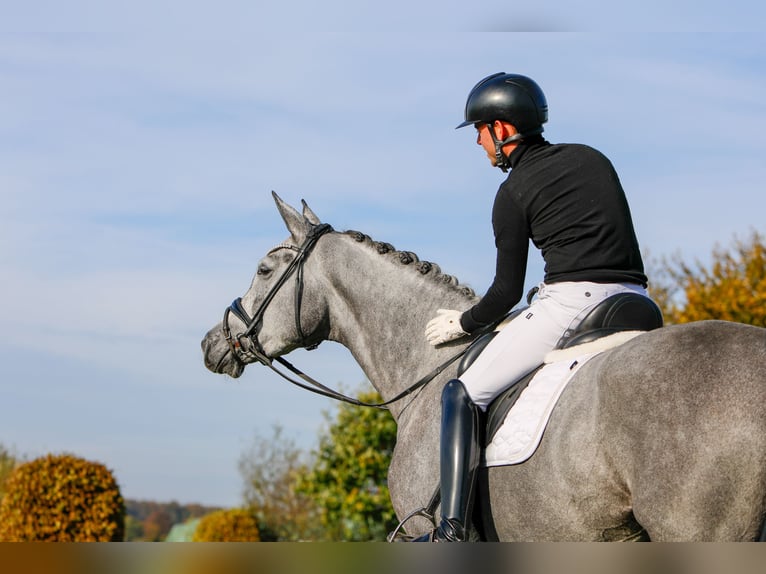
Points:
411	260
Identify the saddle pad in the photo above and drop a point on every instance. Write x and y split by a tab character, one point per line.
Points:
521	432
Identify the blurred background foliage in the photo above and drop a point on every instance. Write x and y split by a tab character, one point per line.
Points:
348	480
732	287
61	498
230	525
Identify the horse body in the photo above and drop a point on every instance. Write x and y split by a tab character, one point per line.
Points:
666	433
675	446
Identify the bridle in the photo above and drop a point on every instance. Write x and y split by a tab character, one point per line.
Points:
246	348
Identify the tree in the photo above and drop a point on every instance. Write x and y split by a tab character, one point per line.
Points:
157	525
231	525
134	529
732	288
63	499
272	469
349	478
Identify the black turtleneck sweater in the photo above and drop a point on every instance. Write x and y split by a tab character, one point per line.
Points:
568	200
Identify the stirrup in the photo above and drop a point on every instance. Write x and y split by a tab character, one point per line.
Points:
396	536
448	531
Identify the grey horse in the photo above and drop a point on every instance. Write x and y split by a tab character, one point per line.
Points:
661	438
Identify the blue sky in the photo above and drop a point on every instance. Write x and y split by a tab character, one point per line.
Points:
139	146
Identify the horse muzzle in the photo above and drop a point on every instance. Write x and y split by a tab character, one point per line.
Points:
218	355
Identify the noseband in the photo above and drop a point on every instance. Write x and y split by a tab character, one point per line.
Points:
245	346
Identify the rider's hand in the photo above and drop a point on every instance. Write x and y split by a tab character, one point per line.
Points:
444	327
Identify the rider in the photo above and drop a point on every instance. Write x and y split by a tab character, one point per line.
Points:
566	199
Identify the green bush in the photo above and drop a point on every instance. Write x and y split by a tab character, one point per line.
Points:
62	498
232	525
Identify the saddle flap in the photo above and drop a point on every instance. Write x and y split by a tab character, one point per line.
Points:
501	405
473	352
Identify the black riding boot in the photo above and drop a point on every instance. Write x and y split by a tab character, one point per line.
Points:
460	455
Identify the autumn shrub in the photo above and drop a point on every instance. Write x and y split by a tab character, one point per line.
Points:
231	525
62	498
731	288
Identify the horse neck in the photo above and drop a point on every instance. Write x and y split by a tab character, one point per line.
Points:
378	310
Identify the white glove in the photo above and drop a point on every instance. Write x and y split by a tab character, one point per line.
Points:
444	327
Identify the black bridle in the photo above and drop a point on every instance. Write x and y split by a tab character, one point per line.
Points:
246	348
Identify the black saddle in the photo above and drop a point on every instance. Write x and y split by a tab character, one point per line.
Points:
620	312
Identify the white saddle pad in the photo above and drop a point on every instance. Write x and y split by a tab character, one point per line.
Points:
521	432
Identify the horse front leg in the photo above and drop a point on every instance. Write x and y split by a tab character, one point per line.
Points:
413	480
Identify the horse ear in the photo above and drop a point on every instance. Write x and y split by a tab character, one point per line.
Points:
309	215
297	224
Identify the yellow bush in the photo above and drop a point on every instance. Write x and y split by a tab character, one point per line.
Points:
62	499
232	525
732	288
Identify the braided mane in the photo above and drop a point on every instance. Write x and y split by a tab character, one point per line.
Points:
410	259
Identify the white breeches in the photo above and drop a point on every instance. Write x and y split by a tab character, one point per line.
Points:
524	342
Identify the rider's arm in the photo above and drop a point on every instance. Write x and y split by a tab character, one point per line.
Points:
512	242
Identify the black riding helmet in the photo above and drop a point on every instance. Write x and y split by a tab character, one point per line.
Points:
512	98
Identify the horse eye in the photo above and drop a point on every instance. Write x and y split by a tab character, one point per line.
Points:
263	269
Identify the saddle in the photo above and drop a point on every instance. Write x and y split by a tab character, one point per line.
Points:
620	312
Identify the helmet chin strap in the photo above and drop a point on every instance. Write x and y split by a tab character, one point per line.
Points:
501	160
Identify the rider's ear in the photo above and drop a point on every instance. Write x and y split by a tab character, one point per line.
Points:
507	130
309	215
297	225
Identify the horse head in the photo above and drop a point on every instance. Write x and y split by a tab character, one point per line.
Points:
255	327
340	286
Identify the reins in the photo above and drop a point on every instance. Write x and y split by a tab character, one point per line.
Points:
321	389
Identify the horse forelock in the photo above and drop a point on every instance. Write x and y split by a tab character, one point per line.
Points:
426	269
